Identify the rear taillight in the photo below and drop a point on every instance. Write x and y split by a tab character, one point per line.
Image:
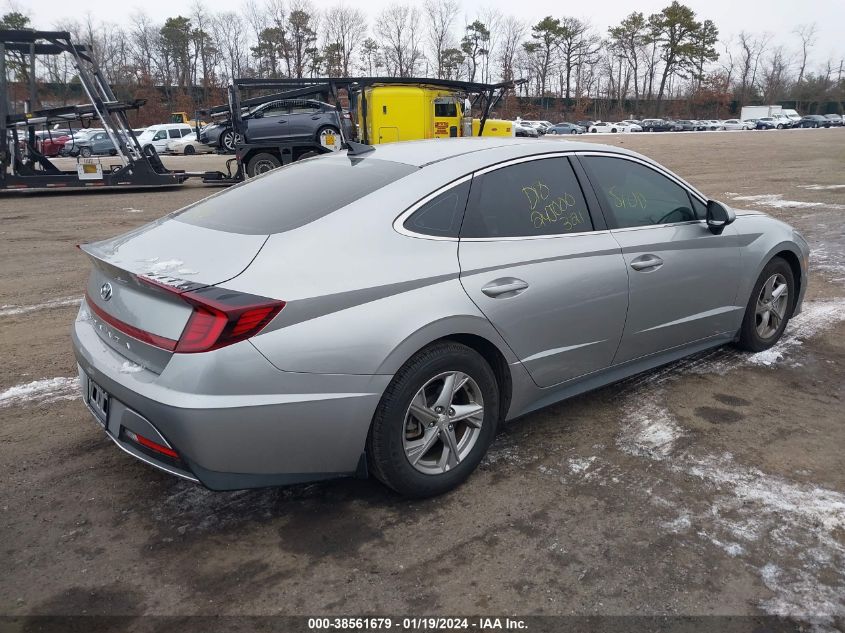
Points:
222	317
219	317
150	444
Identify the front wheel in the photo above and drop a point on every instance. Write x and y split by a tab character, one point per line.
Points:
435	421
261	164
189	149
229	140
85	152
573	132
769	308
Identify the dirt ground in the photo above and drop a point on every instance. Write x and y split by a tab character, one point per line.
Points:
714	486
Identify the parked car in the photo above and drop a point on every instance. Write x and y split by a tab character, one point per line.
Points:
632	122
98	143
370	316
586	123
188	145
565	128
835	119
50	144
736	124
158	136
689	125
657	125
624	126
769	123
713	124
521	128
607	126
277	120
813	120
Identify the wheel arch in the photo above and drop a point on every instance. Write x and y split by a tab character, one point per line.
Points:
474	332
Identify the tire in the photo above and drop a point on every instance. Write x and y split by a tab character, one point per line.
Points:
424	376
86	152
262	163
326	130
228	140
189	150
780	126
651	129
756	334
614	130
573	132
594	130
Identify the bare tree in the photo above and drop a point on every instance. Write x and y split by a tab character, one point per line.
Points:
345	28
807	34
398	28
440	17
513	30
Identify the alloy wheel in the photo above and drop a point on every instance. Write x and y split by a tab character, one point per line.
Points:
771	306
443	423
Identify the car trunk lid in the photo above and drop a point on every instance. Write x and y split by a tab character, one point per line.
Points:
135	286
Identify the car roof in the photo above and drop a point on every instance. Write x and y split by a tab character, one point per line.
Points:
422	153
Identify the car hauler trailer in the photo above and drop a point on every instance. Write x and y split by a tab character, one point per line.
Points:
23	167
386	109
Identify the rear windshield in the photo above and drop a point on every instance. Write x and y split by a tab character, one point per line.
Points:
287	198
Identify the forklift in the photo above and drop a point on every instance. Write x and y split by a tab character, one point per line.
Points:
24	167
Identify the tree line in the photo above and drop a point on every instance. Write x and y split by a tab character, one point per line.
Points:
641	64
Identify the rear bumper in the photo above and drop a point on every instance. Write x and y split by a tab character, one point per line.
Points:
235	420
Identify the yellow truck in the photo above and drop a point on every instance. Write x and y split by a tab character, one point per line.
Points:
387	113
182	117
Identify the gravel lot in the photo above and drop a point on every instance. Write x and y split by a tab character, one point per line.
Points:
713	486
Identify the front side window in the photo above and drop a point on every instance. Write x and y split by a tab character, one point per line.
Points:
445	109
529	199
636	195
160	135
441	216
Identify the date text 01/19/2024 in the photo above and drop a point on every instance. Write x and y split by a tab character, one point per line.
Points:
430	623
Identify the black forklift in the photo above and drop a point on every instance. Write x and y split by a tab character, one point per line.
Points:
24	167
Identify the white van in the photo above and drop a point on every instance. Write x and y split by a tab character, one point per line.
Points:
160	135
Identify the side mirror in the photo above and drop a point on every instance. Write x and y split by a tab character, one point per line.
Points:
257	115
718	216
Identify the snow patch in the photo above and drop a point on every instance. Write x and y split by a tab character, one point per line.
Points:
132	210
166	266
128	367
13	310
40	392
648	429
578	465
776	201
821	187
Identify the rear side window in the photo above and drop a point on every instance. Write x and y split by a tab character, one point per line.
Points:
441	216
636	195
290	197
174	133
538	197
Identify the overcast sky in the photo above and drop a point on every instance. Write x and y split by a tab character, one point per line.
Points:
778	17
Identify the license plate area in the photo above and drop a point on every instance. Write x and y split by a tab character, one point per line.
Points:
98	401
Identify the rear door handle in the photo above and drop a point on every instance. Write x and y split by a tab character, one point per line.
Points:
504	287
647	262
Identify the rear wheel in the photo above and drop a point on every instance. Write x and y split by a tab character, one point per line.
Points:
261	164
769	308
435	421
329	133
85	152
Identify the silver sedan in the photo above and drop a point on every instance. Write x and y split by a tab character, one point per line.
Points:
384	312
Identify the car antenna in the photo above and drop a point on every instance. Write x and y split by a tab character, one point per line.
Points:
357	149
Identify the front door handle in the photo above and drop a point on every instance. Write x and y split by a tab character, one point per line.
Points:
647	262
504	287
